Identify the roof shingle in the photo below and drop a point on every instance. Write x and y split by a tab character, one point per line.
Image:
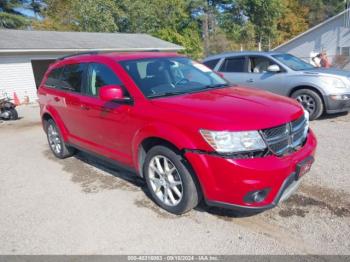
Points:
26	41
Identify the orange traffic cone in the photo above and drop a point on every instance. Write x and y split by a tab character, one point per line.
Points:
16	99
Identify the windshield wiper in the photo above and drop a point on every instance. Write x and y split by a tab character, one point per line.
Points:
186	91
216	86
167	94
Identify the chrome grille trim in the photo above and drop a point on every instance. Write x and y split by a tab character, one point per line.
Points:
286	138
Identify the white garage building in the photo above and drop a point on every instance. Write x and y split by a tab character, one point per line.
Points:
332	36
25	55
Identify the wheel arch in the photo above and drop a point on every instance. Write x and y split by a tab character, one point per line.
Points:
150	142
299	87
312	88
52	114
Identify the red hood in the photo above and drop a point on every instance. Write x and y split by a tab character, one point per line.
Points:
233	108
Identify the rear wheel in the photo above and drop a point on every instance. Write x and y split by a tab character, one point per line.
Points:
170	181
56	143
311	101
13	114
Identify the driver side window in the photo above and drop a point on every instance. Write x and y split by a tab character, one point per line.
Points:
259	64
100	75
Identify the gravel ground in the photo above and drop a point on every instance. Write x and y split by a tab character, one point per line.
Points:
82	206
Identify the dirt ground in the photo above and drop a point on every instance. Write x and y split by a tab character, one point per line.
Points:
83	206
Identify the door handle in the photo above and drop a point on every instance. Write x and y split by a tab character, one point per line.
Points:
84	107
250	80
57	99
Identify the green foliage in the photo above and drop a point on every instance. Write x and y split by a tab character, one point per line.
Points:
12	21
292	22
201	26
96	15
263	15
320	10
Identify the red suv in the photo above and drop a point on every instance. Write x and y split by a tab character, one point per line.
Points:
180	126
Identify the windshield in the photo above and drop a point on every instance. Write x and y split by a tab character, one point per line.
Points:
157	77
293	62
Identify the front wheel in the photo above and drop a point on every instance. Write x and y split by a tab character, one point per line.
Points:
311	101
170	181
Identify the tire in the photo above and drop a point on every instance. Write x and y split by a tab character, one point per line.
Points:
55	140
190	193
13	114
311	101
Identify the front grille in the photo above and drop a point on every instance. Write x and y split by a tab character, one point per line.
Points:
286	138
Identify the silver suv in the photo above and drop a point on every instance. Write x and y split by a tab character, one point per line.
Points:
317	89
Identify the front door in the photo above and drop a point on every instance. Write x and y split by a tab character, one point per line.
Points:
105	124
259	77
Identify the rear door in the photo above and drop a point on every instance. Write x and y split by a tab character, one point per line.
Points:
70	84
51	95
234	69
259	77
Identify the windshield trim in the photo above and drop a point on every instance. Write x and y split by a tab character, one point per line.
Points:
275	56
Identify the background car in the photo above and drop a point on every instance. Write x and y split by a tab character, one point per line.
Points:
317	89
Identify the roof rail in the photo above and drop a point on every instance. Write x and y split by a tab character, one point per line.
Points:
77	54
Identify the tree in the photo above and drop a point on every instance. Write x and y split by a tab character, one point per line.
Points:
293	20
169	20
12	21
263	15
320	10
9	17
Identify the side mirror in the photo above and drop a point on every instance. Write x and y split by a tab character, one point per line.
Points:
273	69
113	93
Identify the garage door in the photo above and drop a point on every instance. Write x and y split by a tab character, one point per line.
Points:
16	75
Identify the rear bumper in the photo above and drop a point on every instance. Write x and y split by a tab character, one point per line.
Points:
337	104
226	182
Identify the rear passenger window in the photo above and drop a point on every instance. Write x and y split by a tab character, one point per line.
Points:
233	65
53	79
100	75
72	76
212	63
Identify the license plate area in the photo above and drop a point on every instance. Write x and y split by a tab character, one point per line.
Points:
304	167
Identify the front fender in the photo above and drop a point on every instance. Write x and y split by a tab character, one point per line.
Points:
166	132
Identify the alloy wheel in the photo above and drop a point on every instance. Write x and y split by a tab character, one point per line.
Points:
308	102
54	139
165	180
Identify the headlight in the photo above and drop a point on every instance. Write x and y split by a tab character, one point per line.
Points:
233	142
334	82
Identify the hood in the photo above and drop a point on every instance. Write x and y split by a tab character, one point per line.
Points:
328	71
232	108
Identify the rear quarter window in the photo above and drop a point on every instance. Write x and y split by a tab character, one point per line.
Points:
72	77
233	65
53	78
